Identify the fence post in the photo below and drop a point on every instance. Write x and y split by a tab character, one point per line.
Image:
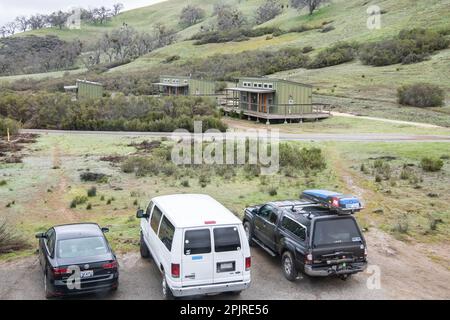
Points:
7	134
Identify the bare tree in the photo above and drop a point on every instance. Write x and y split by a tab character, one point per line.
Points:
190	15
22	23
267	11
58	19
117	8
229	19
101	15
11	28
37	21
3	31
312	5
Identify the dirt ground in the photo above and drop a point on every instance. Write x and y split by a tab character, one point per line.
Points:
405	273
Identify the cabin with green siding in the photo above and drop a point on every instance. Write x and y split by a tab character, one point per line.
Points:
84	89
185	86
270	98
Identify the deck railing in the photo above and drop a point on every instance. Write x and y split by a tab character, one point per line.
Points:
279	109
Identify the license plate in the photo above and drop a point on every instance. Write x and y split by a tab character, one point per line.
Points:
226	266
352	206
86	274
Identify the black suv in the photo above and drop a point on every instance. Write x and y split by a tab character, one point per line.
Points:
316	234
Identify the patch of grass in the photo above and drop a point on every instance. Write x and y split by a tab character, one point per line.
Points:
10	239
78	200
431	164
3	183
92	192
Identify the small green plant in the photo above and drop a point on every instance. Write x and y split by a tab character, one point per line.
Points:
185	183
135	202
431	164
3	183
89	206
92	192
272	191
78	200
401	226
102	198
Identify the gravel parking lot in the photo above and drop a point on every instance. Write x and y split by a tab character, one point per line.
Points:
140	279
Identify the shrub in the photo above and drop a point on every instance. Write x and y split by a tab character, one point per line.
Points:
272	191
93	177
307	49
305	159
10	240
338	54
78	200
409	46
173	58
92	192
421	95
185	183
204	179
89	206
431	164
401	226
12	125
3	183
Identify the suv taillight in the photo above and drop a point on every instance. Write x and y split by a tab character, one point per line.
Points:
175	270
248	263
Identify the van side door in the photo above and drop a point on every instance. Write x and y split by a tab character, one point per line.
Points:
155	221
145	223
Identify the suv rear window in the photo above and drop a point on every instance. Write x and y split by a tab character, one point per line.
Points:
197	241
226	239
336	231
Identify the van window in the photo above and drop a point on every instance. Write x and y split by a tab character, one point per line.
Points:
156	218
294	227
166	231
197	242
226	239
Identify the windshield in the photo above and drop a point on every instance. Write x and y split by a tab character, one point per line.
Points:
82	247
335	232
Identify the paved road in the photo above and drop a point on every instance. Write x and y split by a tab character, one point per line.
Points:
140	279
356	137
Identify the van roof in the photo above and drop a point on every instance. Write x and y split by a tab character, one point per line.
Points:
194	210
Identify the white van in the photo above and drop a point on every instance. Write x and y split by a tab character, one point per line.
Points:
199	245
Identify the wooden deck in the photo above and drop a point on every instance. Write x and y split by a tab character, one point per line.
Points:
271	116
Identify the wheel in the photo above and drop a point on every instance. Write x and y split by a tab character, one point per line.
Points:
145	253
345	277
288	266
167	293
48	293
248	232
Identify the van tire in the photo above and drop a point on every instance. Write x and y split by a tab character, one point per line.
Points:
145	253
249	232
167	293
288	266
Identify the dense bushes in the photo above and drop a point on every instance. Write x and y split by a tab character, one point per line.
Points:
256	63
57	111
12	125
410	46
421	95
337	54
233	35
305	159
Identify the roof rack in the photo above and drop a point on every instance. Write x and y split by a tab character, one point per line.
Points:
336	202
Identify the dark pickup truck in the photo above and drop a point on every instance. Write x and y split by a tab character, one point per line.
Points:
312	235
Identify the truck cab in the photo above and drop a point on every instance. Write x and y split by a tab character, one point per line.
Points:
311	235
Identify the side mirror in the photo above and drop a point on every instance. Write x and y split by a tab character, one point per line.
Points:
104	229
140	214
40	235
